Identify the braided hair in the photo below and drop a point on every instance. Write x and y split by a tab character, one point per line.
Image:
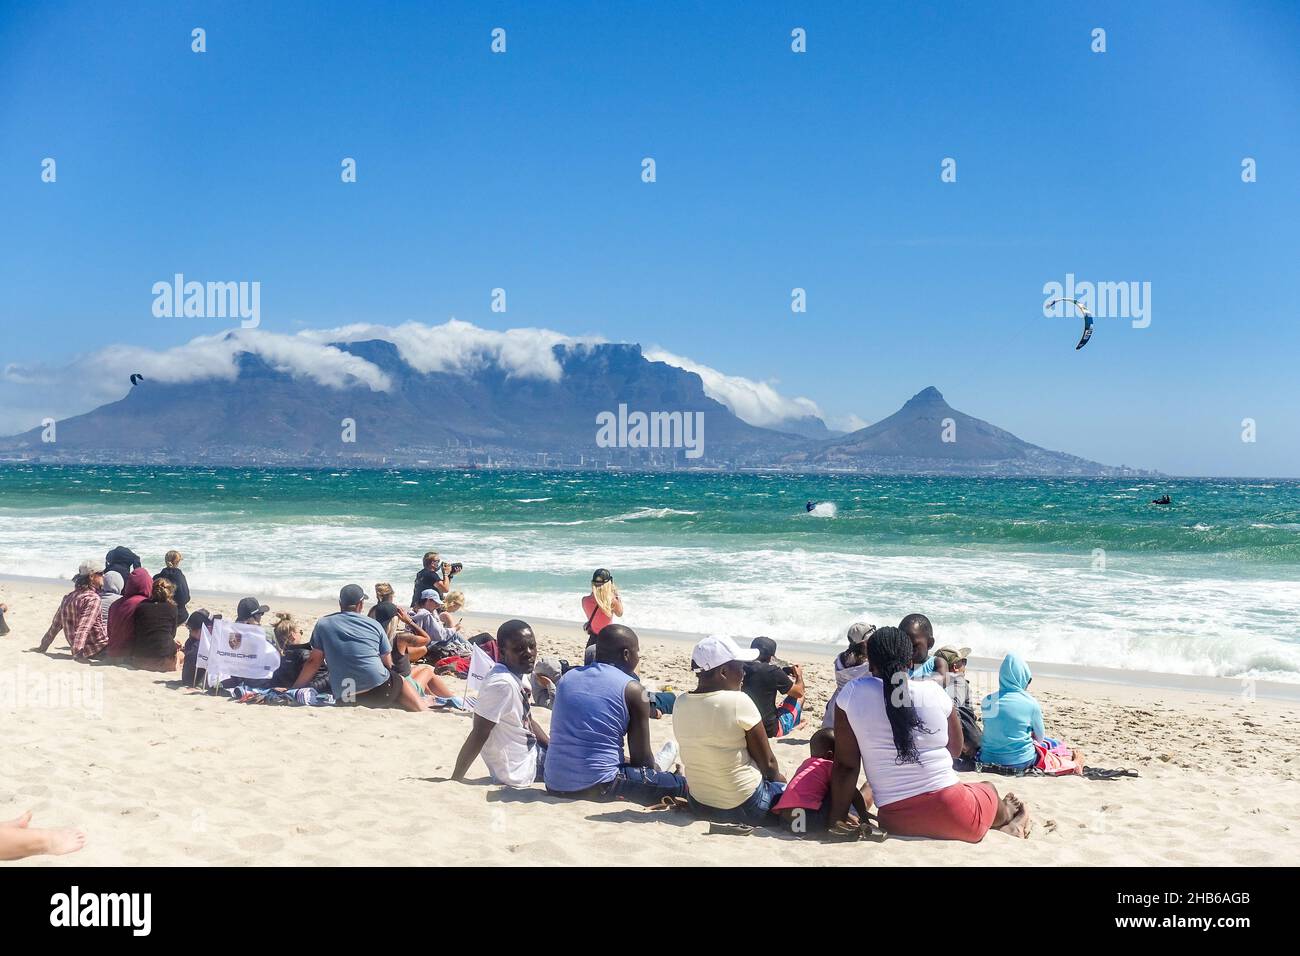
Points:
889	652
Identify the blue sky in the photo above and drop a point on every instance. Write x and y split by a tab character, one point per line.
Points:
775	170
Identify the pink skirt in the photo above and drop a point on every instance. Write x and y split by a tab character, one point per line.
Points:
964	811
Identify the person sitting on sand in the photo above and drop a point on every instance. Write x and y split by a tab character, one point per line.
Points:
600	607
18	839
959	690
4	628
173	573
764	680
109	594
905	734
294	654
924	664
359	656
122	560
732	775
155	647
443	642
80	616
511	742
1013	722
850	664
121	616
596	705
805	805
195	623
453	602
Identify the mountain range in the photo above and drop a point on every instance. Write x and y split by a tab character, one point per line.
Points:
493	415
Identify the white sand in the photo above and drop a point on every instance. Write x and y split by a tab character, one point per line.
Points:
159	775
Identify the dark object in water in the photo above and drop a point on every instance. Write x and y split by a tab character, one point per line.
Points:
1162	500
810	506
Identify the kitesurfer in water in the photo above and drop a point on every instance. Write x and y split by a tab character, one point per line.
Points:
810	506
1162	500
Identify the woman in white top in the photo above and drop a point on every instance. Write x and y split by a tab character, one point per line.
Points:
905	734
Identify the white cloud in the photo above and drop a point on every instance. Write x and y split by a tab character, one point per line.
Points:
460	347
29	393
757	403
846	423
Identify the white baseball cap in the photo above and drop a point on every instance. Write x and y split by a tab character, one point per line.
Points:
90	566
429	594
715	651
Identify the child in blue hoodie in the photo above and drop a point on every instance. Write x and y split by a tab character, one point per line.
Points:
1013	720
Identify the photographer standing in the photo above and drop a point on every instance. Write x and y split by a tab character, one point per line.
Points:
435	575
764	680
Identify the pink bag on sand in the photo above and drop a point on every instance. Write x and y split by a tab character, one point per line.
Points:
1057	760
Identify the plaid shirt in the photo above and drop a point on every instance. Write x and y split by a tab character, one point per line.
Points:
80	619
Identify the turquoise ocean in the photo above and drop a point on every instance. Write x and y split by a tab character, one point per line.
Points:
1081	571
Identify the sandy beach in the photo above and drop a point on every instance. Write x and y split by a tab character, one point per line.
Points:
160	775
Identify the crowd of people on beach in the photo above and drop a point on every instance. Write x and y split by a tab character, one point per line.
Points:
901	715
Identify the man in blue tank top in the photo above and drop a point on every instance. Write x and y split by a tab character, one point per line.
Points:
595	707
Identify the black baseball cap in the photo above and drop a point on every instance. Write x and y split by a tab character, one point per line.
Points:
765	646
601	576
250	607
352	594
199	618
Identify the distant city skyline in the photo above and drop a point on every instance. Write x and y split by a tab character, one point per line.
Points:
918	179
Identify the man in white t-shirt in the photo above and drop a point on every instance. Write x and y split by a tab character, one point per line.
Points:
510	741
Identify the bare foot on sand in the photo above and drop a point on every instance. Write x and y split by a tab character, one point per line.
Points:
1018	824
64	840
17	840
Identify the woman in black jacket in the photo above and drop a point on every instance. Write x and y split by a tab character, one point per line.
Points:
176	576
155	646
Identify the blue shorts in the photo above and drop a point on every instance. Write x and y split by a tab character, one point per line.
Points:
756	811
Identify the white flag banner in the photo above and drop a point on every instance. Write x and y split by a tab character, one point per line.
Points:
240	650
479	665
205	647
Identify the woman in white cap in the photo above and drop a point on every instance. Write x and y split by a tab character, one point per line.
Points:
79	616
731	774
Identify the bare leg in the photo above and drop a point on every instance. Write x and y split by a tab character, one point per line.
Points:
410	699
17	842
431	682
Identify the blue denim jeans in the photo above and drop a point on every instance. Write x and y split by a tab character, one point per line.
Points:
756	811
642	785
645	785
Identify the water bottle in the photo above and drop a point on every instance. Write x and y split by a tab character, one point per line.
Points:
666	758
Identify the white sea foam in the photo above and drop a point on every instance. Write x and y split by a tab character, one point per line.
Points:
1163	612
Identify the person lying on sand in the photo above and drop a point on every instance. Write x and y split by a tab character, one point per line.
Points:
764	680
918	628
596	705
806	803
905	735
1013	720
732	775
19	840
504	732
360	658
